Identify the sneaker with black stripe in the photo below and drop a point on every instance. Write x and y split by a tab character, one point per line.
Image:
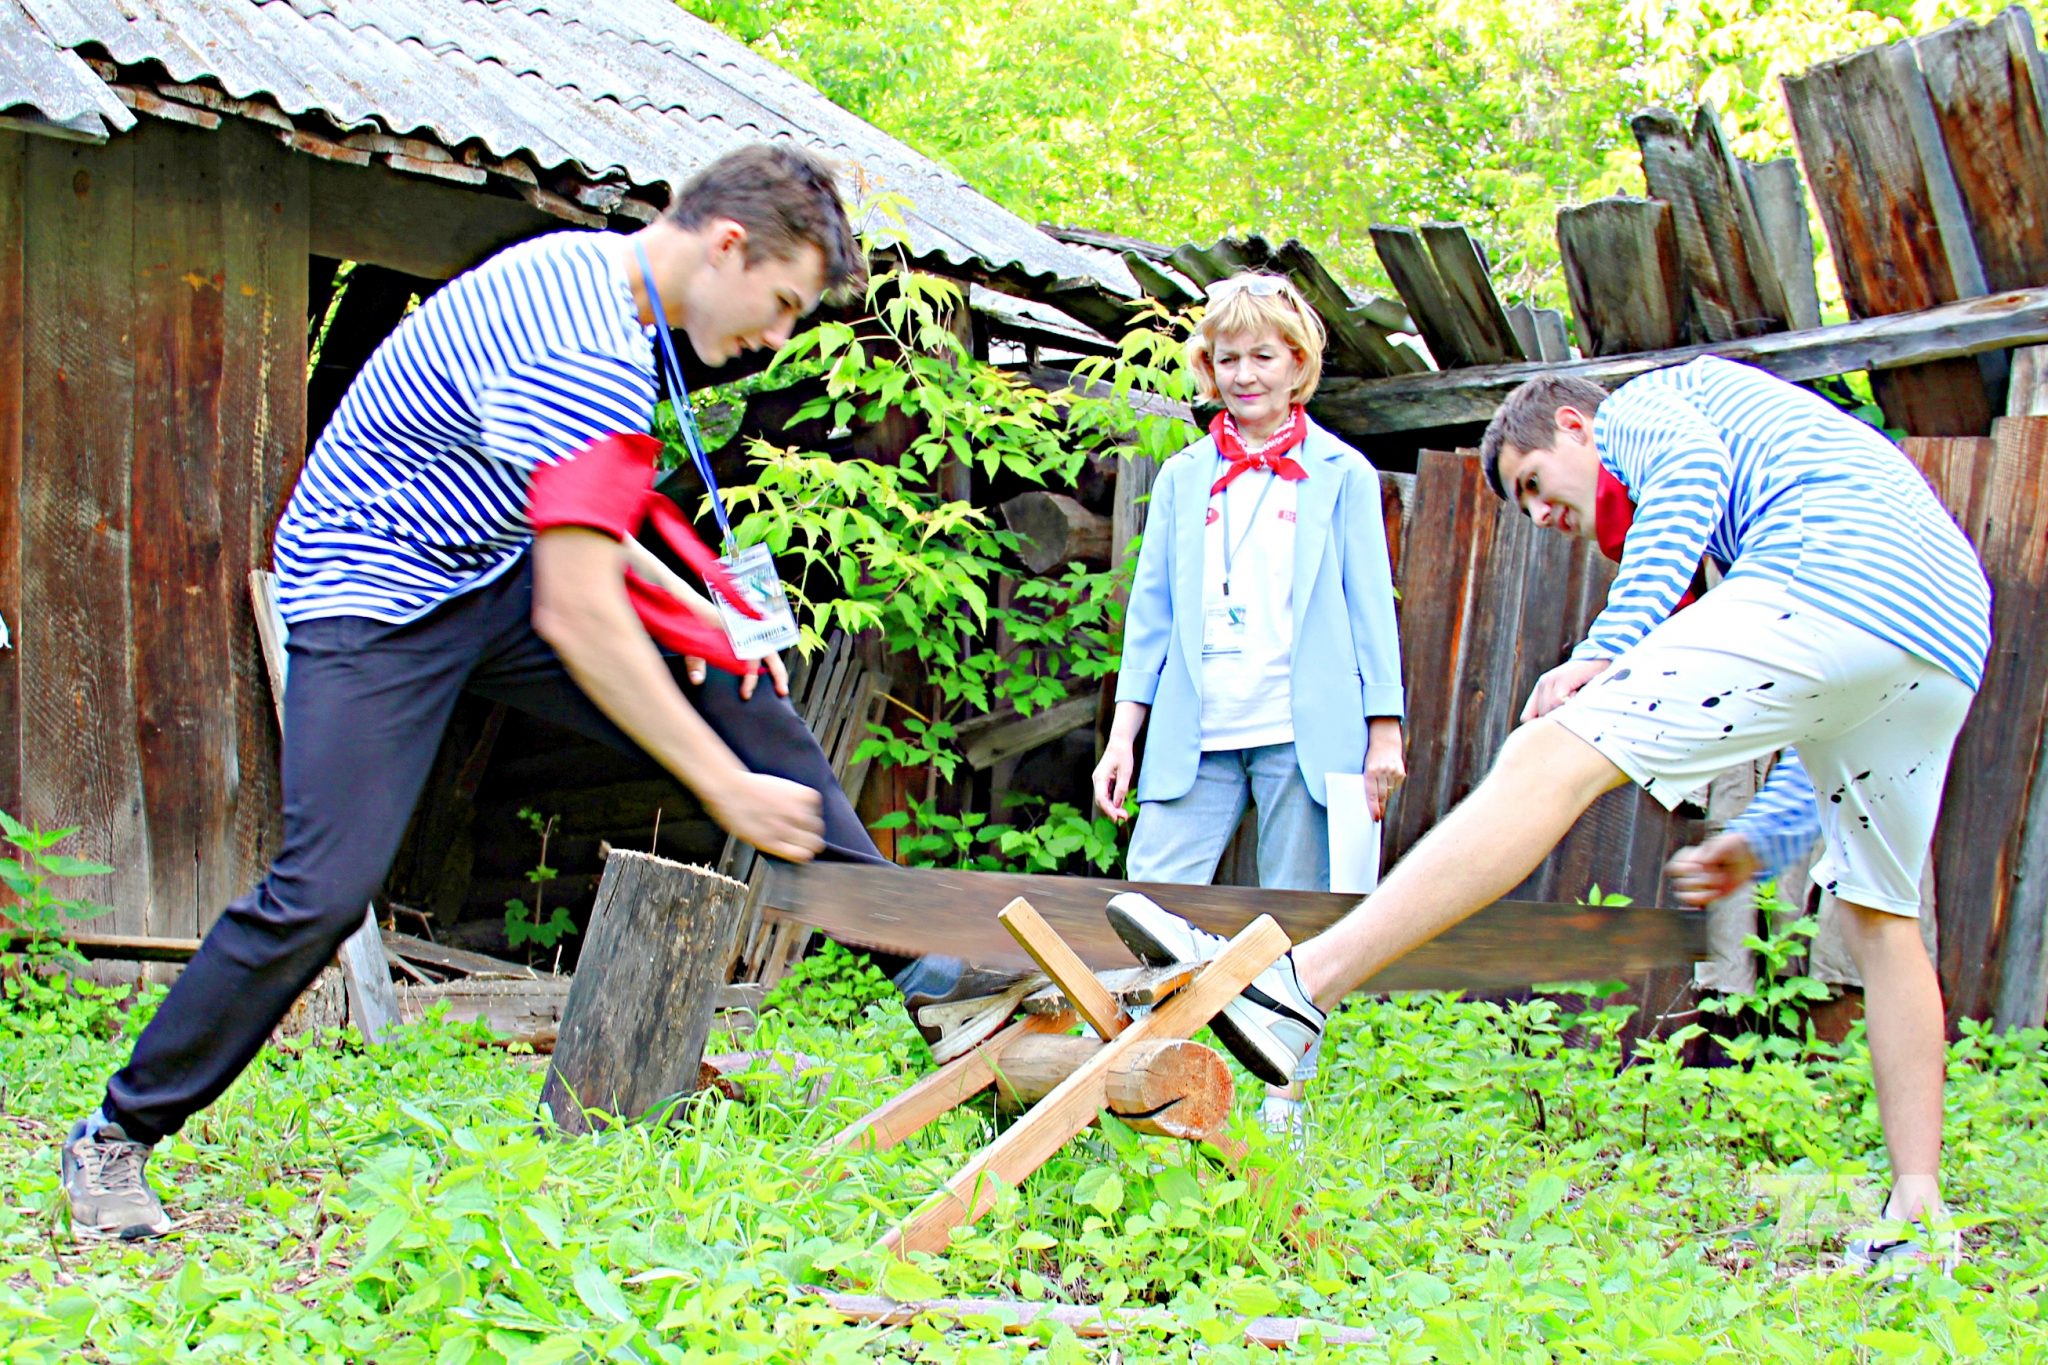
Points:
1270	1027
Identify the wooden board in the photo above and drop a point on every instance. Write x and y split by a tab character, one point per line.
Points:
1731	283
946	911
1371	407
1985	90
1779	196
1621	269
181	585
13	191
1984	839
1513	602
1888	202
80	764
1442	277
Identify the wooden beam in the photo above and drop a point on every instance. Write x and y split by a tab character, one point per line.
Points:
418	226
1952	331
452	959
1986	91
1730	279
987	740
1781	213
1170	1087
1441	275
110	947
1056	531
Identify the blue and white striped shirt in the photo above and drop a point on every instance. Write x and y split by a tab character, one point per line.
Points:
1727	462
1783	819
417	489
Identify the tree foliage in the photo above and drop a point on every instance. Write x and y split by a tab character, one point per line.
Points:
1309	118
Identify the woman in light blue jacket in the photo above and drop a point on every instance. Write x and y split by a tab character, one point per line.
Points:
1260	639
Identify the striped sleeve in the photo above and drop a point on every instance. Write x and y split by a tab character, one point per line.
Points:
1679	471
550	405
1783	819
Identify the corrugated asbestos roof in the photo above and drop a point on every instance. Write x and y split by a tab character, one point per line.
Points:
632	90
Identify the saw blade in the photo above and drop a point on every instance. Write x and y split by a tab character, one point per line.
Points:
1510	944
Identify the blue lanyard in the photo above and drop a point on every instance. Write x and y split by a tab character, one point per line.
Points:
1230	553
686	416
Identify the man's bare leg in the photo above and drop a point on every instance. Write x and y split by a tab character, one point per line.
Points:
1903	1017
1540	785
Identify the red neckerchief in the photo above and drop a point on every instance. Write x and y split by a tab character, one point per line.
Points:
609	487
1614	511
1270	456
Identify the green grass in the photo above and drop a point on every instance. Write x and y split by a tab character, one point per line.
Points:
1482	1193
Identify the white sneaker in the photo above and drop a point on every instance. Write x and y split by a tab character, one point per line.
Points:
1286	1120
1269	1028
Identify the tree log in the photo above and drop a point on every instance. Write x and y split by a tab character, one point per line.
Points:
634	1028
1169	1087
1057	531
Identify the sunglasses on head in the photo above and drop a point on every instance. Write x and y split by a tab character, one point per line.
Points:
1258	286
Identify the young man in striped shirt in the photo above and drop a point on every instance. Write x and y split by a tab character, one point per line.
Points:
409	571
1852	622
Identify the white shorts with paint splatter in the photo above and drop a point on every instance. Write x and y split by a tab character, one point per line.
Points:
1749	669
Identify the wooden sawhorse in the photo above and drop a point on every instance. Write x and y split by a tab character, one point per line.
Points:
1133	1068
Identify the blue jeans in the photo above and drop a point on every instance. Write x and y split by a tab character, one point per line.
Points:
1182	840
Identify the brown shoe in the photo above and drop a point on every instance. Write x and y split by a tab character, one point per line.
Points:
109	1192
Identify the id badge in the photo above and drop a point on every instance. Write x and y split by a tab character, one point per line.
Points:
754	570
1223	628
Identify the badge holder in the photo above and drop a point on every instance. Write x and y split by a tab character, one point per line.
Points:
752	568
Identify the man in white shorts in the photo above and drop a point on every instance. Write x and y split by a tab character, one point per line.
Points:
1852	622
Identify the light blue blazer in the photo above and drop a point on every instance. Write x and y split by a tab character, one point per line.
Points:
1347	651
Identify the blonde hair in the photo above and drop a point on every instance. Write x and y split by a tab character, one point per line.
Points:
1235	310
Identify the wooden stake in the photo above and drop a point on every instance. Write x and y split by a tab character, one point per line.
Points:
939	1093
1065	967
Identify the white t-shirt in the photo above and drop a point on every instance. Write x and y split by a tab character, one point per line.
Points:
1248	634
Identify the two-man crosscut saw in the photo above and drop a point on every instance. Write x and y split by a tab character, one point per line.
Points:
919	911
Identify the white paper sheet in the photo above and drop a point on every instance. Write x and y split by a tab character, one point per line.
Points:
1354	836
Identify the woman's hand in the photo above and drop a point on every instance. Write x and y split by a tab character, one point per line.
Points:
1113	778
1385	767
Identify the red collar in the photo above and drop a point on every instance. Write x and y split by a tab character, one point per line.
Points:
1271	454
1614	511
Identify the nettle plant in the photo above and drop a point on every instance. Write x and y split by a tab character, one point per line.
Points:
34	874
881	544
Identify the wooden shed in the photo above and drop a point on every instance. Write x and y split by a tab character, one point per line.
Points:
178	185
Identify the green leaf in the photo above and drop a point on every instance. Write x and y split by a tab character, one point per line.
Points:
1891	1342
598	1293
64	865
1253	1298
904	1282
1100	1189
